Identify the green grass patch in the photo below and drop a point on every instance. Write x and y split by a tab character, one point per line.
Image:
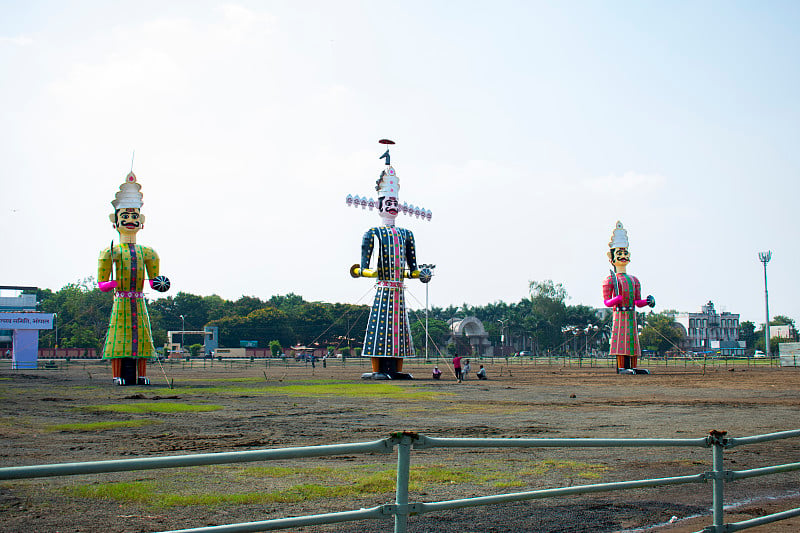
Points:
372	479
250	379
353	390
129	492
567	468
153	407
151	494
317	483
314	389
100	426
509	484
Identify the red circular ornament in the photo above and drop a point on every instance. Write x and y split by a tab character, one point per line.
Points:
386	141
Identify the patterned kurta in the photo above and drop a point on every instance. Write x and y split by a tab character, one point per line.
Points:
624	334
129	332
388	333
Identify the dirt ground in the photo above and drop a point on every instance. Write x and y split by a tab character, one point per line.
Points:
258	407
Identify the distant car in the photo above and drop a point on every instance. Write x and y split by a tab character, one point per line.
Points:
525	353
759	355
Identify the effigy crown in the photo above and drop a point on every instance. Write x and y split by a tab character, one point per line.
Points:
129	194
619	238
387	186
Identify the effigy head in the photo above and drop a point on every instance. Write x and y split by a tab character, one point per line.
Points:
618	253
127	217
388	187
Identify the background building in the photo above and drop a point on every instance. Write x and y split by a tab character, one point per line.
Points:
710	331
783	332
18	302
469	336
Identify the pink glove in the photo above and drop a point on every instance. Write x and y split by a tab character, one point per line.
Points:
106	286
611	302
648	301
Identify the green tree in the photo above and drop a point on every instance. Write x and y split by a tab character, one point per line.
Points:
660	333
438	330
286	302
759	343
781	320
275	348
246	305
747	333
550	312
262	325
83	313
195	349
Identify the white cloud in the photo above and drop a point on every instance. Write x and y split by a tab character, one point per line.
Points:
21	40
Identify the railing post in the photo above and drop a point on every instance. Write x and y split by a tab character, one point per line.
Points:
403	472
718	440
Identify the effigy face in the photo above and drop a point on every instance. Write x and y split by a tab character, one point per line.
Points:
129	221
621	257
389	207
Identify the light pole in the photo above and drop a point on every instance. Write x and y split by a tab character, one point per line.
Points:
426	270
183	330
502	339
55	319
764	257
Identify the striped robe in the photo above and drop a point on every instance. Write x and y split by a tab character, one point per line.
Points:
624	333
129	333
388	332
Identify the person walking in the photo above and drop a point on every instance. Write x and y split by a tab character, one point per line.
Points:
457	367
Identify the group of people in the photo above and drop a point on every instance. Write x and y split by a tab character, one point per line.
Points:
461	370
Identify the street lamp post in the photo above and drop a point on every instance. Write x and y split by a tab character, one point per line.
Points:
764	257
430	271
183	330
55	319
502	338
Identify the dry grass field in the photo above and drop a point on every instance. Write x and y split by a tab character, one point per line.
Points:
73	413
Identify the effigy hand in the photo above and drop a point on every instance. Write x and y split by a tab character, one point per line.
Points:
651	301
160	283
106	286
357	272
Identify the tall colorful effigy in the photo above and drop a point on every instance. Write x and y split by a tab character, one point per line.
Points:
622	292
123	268
388	337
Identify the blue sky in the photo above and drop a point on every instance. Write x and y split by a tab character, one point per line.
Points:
528	128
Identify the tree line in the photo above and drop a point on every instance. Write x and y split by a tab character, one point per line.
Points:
542	321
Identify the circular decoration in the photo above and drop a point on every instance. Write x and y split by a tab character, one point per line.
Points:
386	141
425	275
161	283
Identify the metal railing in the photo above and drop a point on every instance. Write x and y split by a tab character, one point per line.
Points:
401	509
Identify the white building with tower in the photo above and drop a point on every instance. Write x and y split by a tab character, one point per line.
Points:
709	330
